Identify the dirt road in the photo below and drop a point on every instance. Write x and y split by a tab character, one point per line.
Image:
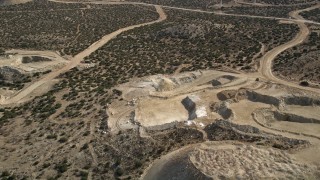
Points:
266	63
193	10
267	59
268	5
78	58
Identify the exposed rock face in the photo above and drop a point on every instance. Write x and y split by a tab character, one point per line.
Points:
222	108
162	127
293	118
10	74
257	97
227	94
302	101
166	84
190	107
225	130
229	77
216	82
31	59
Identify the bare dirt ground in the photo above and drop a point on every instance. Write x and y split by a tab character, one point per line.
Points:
241	100
15	61
236	160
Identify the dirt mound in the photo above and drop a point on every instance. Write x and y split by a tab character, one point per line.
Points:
257	97
166	84
302	101
280	116
222	80
227	94
225	130
306	123
222	108
10	74
31	59
240	161
190	107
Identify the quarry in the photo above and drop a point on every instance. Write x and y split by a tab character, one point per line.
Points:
224	106
201	97
153	90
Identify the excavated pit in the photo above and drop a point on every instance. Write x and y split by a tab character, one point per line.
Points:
222	108
34	59
227	94
222	80
281	116
268	116
225	130
257	97
302	101
190	107
10	74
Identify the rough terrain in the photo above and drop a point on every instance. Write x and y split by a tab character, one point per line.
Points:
79	121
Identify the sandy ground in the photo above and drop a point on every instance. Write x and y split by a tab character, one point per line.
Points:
152	112
233	160
240	161
158	110
15	61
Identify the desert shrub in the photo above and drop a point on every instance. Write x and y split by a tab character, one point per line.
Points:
62	166
52	136
85	146
304	83
63	139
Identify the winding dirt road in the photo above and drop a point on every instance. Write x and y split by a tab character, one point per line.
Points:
269	5
267	59
265	66
78	58
191	10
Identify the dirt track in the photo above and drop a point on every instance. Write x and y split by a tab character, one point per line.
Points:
78	58
193	10
268	5
265	66
267	59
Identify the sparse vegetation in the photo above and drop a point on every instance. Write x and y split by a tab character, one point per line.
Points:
301	62
64	133
192	4
276	11
68	28
313	15
282	2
